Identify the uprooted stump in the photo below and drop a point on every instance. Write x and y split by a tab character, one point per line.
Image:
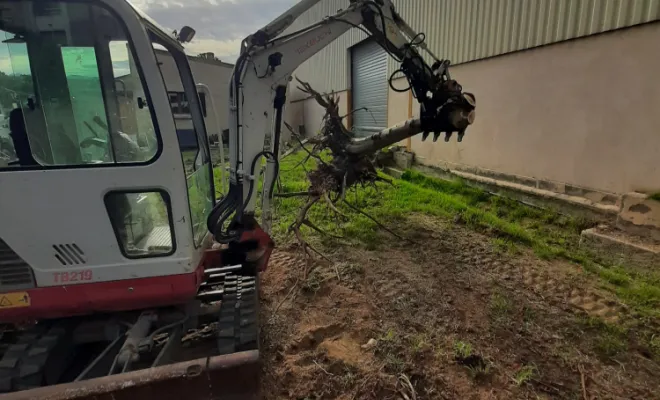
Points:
330	180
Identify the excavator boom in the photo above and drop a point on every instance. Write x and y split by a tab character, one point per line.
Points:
258	92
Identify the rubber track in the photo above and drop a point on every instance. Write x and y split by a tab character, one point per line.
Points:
33	364
13	358
238	328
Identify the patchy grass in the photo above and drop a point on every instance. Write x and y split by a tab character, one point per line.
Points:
420	343
512	225
655	196
524	375
609	339
505	246
654	345
463	315
500	306
480	371
462	350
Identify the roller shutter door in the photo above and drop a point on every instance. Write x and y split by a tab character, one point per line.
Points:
369	78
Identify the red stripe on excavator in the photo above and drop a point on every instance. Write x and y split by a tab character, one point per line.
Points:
129	294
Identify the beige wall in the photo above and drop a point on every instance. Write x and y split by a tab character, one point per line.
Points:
584	112
398	103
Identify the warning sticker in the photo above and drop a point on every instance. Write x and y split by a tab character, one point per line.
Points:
13	300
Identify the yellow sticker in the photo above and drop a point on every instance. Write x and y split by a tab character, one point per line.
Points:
13	300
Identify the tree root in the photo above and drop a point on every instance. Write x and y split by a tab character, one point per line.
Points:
334	175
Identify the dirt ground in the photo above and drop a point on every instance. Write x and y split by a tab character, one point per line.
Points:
448	317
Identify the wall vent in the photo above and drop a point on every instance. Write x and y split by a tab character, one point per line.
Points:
15	274
69	254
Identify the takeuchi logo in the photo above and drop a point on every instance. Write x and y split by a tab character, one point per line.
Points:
313	41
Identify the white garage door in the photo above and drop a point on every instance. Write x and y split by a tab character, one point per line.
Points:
369	78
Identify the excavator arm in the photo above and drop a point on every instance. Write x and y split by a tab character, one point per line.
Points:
258	93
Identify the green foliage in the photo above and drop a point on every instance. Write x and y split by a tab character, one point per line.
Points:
419	343
16	89
462	350
610	340
505	246
525	374
389	336
654	345
500	306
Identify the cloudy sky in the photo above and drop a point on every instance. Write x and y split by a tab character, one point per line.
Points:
220	24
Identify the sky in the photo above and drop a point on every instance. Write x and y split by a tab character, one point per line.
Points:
220	24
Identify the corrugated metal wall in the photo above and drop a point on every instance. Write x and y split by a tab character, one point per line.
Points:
369	79
328	69
468	30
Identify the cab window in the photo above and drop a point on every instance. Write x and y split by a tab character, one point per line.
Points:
70	91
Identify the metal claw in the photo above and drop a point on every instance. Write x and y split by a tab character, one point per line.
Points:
448	136
425	135
460	136
435	136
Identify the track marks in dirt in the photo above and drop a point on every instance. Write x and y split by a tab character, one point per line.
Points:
549	281
552	281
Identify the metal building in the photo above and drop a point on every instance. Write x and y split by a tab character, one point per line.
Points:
559	85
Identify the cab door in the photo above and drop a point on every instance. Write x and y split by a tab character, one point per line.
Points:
188	115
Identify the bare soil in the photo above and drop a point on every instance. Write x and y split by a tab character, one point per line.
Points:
448	317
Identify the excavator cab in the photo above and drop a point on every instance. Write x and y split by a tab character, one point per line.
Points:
91	168
104	245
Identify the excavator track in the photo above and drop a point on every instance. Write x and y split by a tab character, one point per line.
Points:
42	354
237	323
37	357
238	328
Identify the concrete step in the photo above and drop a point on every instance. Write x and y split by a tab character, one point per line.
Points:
614	246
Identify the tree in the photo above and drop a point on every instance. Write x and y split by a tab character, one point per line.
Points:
14	89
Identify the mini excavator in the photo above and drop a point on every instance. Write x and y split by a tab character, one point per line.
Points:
118	264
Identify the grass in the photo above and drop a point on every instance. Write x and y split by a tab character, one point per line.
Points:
609	340
512	225
390	345
655	196
478	368
504	246
419	343
654	345
462	350
500	306
479	371
525	374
